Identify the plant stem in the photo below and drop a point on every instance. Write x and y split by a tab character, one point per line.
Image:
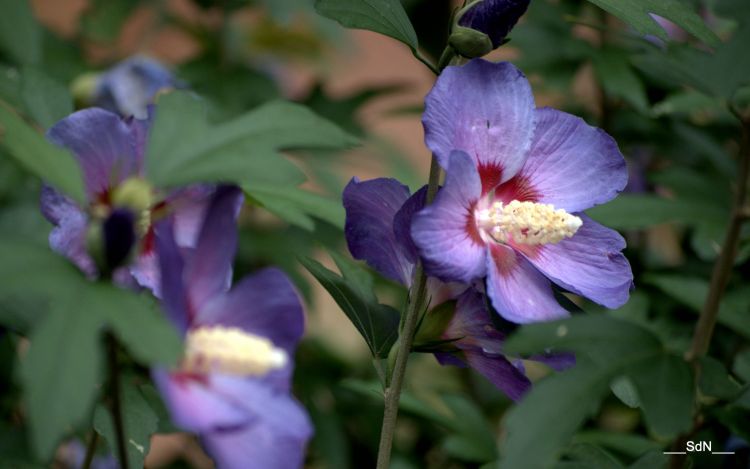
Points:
417	298
115	403
91	449
723	267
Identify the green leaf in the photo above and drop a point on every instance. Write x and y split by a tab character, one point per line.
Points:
184	148
545	420
623	443
51	164
666	391
296	205
638	211
377	323
386	17
20	34
139	421
715	380
637	14
613	70
602	338
624	389
588	456
651	460
46	100
61	372
141	327
473	439
104	19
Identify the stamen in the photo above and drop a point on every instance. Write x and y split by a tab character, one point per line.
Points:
230	350
527	223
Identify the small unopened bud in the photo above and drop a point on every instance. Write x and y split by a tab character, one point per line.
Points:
470	43
84	87
495	18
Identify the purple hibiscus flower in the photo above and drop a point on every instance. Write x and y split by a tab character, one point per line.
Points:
459	326
110	152
130	86
495	18
518	178
232	386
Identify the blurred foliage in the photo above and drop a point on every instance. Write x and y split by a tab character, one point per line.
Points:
667	95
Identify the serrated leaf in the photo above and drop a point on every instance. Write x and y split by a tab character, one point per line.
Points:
184	148
46	100
61	372
666	391
29	148
296	205
20	34
377	323
386	17
139	421
637	13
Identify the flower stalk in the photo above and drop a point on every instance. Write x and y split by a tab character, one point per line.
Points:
417	299
90	449
115	402
723	267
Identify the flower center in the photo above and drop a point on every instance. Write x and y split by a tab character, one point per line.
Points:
527	223
230	350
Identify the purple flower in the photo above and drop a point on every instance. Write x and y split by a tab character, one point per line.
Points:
232	387
495	18
518	178
110	152
378	216
129	87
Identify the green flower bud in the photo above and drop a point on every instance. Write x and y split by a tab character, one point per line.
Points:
470	43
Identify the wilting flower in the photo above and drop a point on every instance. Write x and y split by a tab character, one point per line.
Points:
518	179
117	217
129	87
495	18
232	386
458	328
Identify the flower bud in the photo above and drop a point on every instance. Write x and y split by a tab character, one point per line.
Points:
470	43
495	18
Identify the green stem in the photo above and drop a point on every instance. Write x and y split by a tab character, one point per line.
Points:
426	61
417	299
723	267
115	404
91	449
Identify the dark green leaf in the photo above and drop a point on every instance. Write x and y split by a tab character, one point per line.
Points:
184	148
588	456
622	443
637	211
51	164
603	338
651	460
613	70
545	420
715	380
20	34
377	323
104	18
637	14
139	421
382	16
61	371
623	388
45	100
296	205
473	438
666	391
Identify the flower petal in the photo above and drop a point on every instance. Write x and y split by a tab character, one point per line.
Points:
494	17
171	268
518	291
370	210
208	271
68	237
402	224
589	264
444	231
473	325
486	110
195	406
265	304
500	372
571	164
104	145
